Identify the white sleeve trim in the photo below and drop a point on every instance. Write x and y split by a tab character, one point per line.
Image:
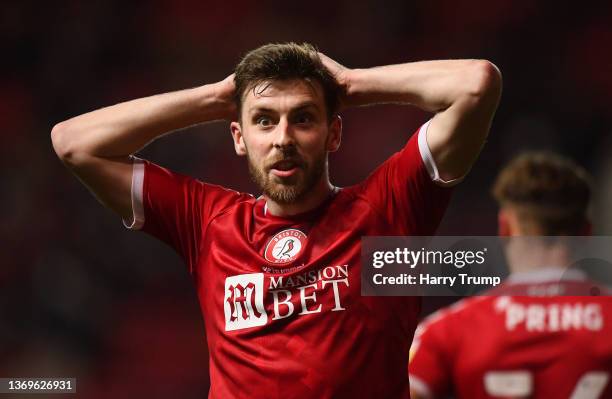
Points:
138	171
419	386
428	159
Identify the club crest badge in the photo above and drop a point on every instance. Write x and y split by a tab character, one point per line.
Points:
285	246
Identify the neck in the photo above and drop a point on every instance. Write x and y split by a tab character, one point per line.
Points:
310	200
526	254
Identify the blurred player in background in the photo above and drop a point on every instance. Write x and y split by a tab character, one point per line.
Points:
278	277
518	346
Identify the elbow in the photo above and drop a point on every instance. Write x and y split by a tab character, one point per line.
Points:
485	81
62	143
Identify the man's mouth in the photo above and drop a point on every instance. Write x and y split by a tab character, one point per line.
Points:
285	168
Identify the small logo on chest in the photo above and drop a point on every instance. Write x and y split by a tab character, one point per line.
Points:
285	246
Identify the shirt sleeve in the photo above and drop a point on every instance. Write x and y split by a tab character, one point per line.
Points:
174	208
430	366
408	190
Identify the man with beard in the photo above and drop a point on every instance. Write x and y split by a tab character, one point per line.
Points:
278	276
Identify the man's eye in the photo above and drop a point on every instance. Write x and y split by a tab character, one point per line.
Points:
304	118
264	121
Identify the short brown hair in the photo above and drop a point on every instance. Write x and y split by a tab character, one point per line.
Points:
285	61
548	191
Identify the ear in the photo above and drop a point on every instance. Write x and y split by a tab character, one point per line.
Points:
239	145
503	224
335	134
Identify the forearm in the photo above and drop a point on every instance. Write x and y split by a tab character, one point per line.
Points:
122	129
430	85
463	94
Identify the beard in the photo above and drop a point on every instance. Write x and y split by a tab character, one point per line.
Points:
290	189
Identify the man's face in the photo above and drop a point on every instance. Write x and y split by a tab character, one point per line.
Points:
285	134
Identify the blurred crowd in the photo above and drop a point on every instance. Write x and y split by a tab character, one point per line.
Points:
83	297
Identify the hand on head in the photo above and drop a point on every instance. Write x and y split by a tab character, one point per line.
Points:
342	75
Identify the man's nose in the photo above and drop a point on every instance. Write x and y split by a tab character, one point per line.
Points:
283	137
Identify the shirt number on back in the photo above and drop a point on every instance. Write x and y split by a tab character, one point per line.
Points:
519	384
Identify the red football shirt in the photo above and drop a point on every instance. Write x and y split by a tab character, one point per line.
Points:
280	296
518	346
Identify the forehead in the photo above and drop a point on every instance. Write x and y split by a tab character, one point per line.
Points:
283	95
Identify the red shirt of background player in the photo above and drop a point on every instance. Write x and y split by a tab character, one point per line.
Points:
517	346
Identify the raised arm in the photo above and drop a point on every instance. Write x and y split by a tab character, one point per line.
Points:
96	146
463	94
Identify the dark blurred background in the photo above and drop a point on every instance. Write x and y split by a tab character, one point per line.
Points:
83	297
